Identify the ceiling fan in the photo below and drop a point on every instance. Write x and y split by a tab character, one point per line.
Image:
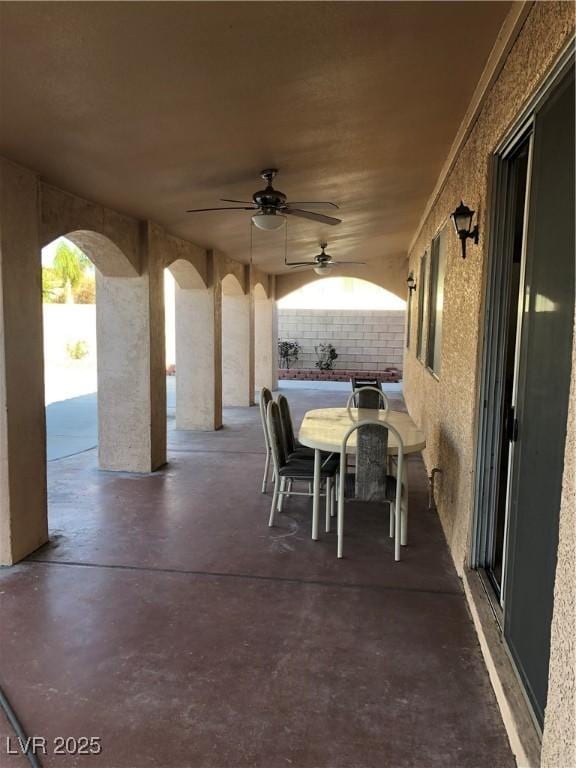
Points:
271	206
322	263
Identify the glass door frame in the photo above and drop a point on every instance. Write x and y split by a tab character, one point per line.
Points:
495	311
499	304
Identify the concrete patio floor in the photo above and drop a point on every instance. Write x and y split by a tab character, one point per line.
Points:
167	619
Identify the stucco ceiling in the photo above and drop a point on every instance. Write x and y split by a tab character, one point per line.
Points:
153	108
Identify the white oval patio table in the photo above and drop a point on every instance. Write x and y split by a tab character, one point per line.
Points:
323	430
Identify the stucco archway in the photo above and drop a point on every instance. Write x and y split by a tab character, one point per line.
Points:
364	323
389	273
123	375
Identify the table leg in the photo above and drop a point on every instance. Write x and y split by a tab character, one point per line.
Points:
328	503
316	496
404	534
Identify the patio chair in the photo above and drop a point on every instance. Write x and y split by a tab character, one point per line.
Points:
294	468
292	446
365	381
392	492
368	397
265	398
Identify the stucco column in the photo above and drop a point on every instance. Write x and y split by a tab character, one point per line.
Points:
131	368
237	349
198	358
274	344
23	497
263	343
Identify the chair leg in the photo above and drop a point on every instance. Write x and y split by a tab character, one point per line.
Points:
281	493
266	471
334	496
397	529
328	503
341	515
274	503
404	509
391	508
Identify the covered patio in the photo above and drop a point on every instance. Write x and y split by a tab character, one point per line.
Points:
215	641
145	602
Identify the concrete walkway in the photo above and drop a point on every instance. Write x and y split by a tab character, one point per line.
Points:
72	424
166	618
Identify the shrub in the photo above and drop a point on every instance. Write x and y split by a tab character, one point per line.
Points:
85	291
77	350
288	352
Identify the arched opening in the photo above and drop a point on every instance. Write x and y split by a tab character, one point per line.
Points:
191	349
119	415
338	327
264	341
70	349
237	379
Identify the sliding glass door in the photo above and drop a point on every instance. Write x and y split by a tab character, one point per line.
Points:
525	381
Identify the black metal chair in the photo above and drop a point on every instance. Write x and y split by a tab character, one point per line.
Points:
293	468
365	381
292	445
368	396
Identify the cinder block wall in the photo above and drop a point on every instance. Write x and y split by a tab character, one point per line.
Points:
366	340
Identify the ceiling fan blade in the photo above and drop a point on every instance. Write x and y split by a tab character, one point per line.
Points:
227	208
319	203
338	263
301	264
320	217
244	202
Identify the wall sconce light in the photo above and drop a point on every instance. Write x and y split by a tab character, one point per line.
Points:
462	218
411	283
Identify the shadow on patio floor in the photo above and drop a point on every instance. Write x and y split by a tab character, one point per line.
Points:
166	618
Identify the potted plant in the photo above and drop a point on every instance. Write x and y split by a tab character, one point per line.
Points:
326	354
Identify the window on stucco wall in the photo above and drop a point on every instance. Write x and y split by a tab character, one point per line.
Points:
422	294
408	319
436	301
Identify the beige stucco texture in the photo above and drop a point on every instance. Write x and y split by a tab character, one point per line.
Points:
264	339
446	407
236	344
23	522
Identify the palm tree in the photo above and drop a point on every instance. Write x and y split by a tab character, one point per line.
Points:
69	266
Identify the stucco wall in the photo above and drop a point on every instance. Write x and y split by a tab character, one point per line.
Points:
68	324
447	408
364	340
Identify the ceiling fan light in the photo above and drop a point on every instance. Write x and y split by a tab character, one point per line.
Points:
322	269
268	221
